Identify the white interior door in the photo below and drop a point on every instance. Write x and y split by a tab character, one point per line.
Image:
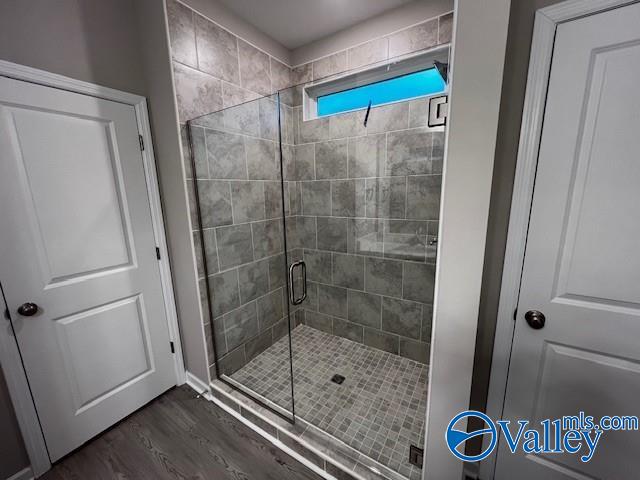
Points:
582	260
76	239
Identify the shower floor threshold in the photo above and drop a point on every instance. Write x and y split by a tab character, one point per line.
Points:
321	449
372	417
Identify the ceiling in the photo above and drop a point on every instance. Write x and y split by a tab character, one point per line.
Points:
294	23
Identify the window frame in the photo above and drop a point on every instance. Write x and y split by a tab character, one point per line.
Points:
378	72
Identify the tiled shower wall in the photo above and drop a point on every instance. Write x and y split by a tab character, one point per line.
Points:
214	69
368	224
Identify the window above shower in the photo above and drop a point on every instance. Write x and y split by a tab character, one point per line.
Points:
406	78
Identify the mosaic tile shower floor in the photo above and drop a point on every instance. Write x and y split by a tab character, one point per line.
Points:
379	409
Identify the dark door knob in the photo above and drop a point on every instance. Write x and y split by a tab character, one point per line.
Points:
28	309
535	319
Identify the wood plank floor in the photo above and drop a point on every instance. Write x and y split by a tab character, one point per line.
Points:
179	436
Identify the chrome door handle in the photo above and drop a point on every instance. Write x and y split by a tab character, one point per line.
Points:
292	295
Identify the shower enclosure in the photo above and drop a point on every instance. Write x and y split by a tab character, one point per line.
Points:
317	242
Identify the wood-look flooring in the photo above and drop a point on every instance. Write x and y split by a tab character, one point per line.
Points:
179	436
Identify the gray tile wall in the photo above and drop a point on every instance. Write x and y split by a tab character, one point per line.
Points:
340	198
239	189
367	222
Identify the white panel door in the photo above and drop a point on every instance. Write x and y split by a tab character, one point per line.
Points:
76	239
582	260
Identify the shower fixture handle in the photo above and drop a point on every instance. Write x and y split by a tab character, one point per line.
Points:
292	295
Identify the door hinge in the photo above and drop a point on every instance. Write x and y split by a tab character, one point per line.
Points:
141	140
515	314
158	253
173	348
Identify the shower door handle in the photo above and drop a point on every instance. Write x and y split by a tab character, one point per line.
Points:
292	295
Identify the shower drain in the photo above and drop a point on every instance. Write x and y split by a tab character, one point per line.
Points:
337	379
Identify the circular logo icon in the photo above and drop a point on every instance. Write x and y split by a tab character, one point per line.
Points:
457	437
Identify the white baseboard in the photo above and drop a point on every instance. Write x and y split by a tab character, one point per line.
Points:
25	474
198	385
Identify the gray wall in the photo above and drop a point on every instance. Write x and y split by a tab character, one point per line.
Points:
88	40
13	456
513	89
92	41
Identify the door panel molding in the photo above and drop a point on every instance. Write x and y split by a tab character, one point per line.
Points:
10	358
544	31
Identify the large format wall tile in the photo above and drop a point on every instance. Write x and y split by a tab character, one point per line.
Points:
349	330
350	124
224	294
254	280
364	308
348	270
270	308
217	51
215	203
331	159
348	198
226	154
423	197
316	198
382	341
255	68
330	65
267	238
367	156
365	236
383	276
332	300
388	118
280	75
197	93
445	28
386	197
318	265
261	160
368	53
182	33
332	234
401	317
418	282
409	152
414	39
241	325
234	245
248	201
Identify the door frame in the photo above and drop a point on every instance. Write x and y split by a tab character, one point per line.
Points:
17	382
546	22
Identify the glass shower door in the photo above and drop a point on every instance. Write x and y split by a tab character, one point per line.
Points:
239	222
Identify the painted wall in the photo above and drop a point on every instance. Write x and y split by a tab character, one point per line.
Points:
13	456
92	41
513	90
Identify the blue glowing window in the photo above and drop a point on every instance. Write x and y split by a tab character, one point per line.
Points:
417	84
